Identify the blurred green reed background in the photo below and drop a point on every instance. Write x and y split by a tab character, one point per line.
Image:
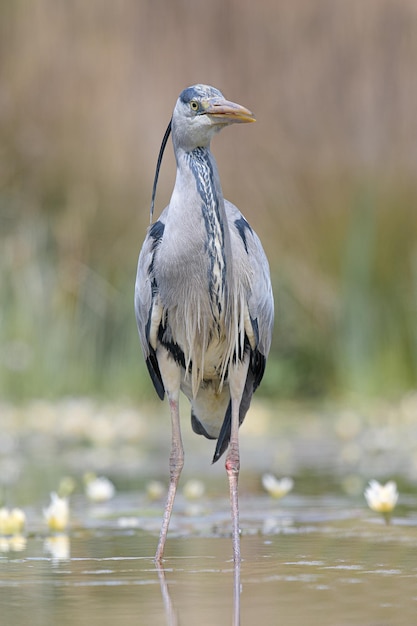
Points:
327	177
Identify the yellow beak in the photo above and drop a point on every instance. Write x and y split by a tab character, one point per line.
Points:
225	112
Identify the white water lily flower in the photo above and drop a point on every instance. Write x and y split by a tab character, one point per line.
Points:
155	490
193	489
277	488
57	513
12	522
381	498
99	489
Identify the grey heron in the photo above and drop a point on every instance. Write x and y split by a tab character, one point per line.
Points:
203	297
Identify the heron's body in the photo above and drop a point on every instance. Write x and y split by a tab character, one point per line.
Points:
203	297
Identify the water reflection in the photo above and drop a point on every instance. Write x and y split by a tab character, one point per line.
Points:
166	598
324	568
171	613
58	547
15	543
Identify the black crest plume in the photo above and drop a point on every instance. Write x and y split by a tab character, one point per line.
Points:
158	166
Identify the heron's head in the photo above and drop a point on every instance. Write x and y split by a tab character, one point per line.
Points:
200	112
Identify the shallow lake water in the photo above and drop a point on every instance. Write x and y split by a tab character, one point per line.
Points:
318	556
305	562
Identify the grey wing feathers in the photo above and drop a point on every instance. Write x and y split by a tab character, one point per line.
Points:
145	293
246	244
247	250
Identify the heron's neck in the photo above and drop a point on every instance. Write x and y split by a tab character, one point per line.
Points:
203	209
197	193
204	169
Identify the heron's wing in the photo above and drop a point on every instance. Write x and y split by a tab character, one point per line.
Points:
249	258
147	308
249	253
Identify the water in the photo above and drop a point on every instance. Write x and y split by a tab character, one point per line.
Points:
317	557
308	561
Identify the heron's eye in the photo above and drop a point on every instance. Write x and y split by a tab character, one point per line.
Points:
194	105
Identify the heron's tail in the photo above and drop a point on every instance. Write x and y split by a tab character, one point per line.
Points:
226	429
224	436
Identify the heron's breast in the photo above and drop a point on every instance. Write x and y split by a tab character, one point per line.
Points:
213	358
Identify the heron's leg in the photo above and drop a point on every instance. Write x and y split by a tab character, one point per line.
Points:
171	376
237	379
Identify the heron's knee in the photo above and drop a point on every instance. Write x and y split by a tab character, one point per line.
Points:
233	460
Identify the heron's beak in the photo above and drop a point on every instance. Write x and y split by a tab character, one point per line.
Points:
225	112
